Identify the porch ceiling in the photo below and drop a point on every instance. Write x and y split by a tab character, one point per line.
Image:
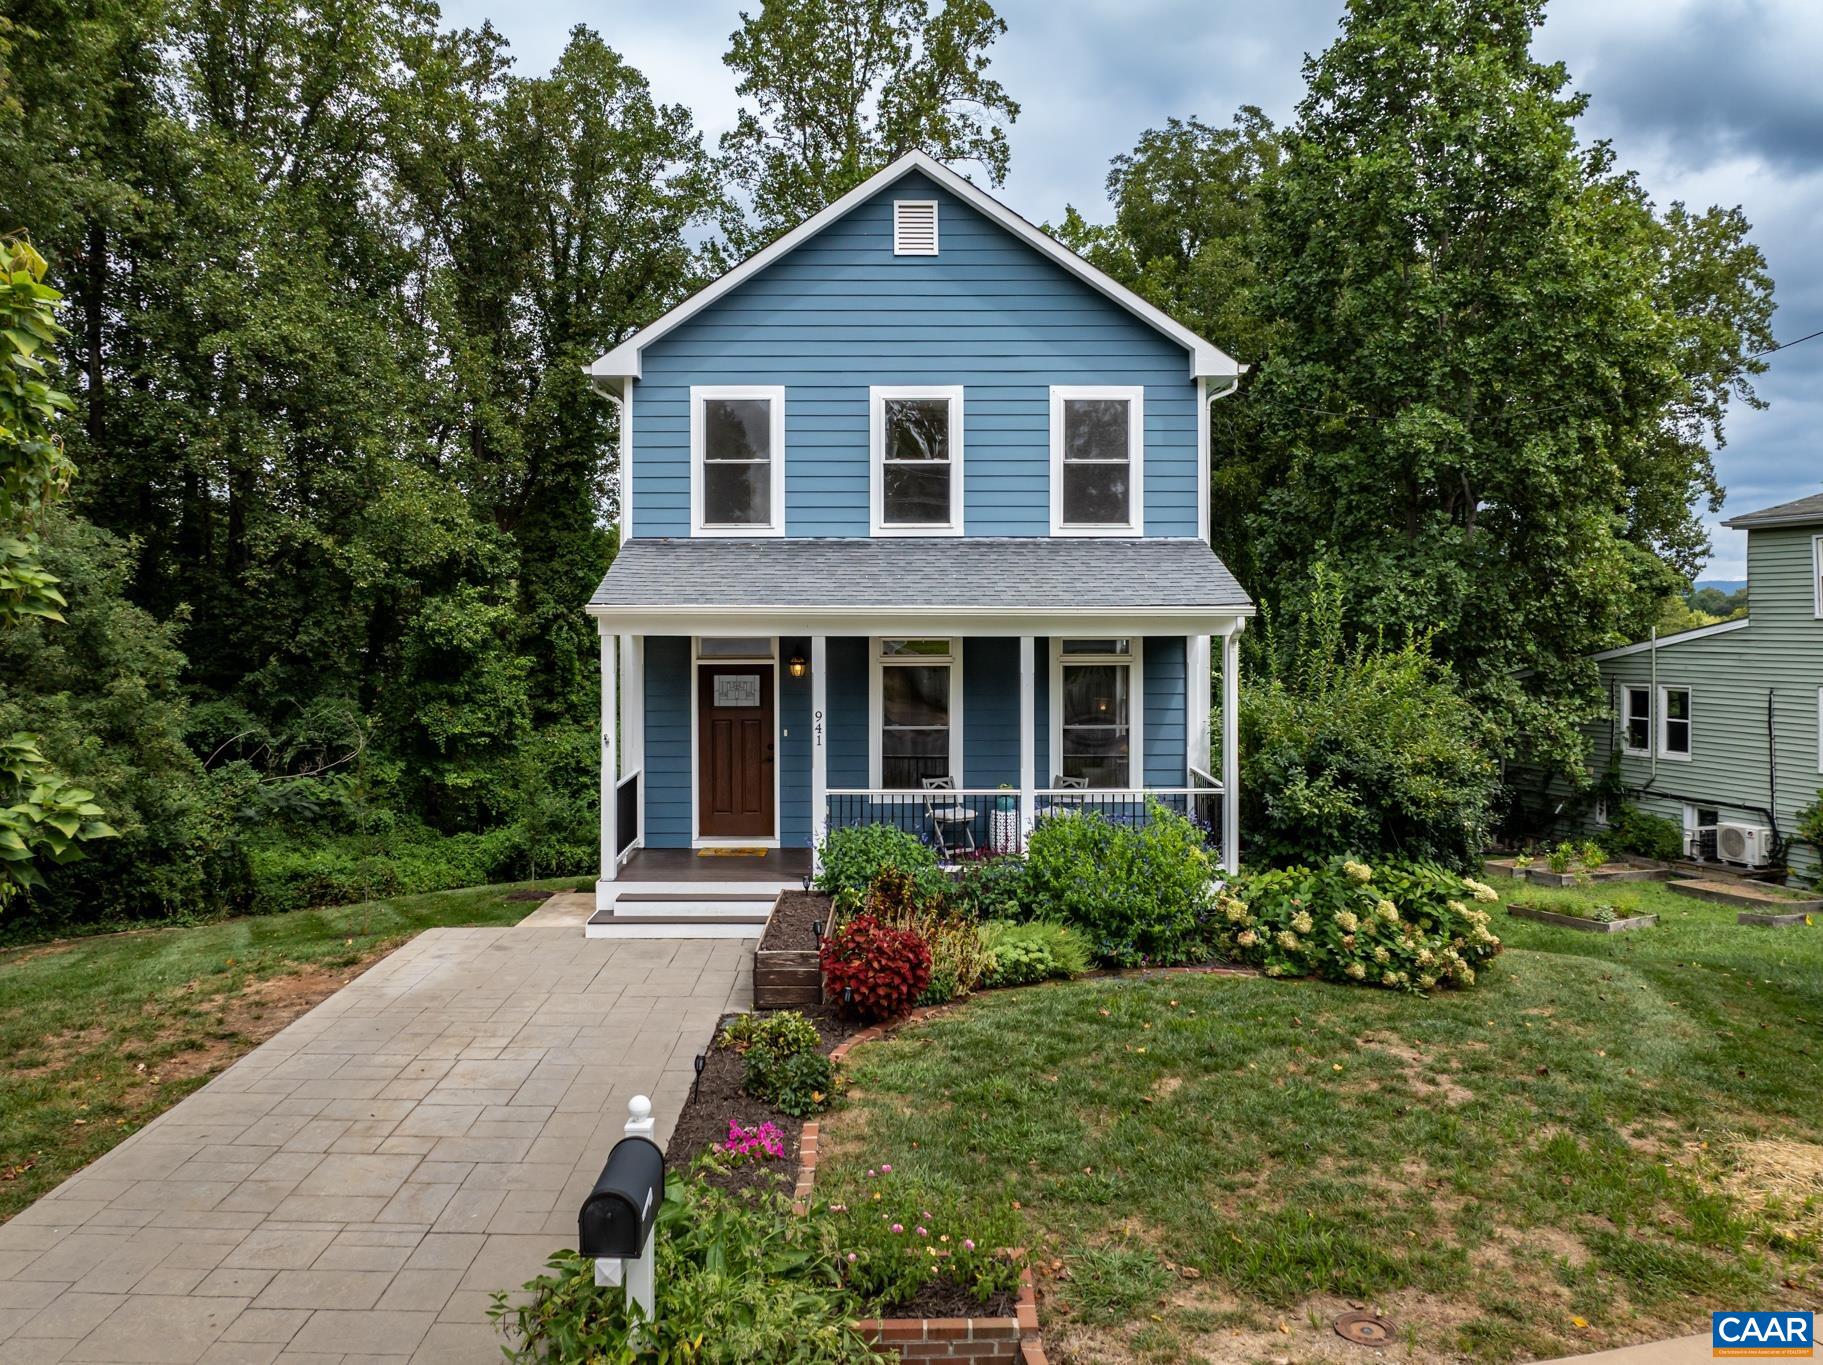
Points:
965	584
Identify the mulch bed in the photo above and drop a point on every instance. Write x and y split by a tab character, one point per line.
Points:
792	918
703	1121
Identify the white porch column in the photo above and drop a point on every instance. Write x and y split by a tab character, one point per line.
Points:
1028	710
633	724
610	714
819	748
1231	748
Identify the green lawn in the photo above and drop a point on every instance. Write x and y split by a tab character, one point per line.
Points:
102	1034
1606	1138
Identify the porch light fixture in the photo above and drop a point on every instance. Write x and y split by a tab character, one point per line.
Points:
796	666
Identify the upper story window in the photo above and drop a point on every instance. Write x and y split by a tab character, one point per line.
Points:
916	441
737	465
917	699
914	227
1095	732
1097	460
1674	723
1636	720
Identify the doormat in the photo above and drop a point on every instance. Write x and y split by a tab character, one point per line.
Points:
732	852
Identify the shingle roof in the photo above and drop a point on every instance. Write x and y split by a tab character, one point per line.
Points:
960	571
1800	513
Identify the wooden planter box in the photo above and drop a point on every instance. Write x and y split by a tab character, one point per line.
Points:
789	978
1766	905
1587	926
1614	872
1773	921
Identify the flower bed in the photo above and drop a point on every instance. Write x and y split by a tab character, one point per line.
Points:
786	974
1590	921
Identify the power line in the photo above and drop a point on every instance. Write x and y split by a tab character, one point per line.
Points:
1786	345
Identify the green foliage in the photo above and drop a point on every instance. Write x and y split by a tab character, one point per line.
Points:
836	89
43	816
340	869
1809	828
34	471
1640	832
783	1034
1023	954
1405	926
1136	895
891	1237
783	1066
876	971
1712	601
737	1280
854	856
991	888
1370	747
957	956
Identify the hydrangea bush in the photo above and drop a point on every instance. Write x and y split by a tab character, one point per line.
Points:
1402	926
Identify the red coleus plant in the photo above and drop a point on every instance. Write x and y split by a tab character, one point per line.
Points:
874	971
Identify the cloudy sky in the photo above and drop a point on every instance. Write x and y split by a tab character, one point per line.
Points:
1712	102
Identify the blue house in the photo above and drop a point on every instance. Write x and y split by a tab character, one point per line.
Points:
914	527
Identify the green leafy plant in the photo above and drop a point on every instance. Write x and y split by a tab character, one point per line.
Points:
1404	926
737	1280
875	971
1136	895
783	1034
1560	858
852	858
43	816
956	953
1640	832
1034	951
992	888
1592	855
783	1066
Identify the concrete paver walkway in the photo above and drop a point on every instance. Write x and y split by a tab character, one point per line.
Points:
354	1188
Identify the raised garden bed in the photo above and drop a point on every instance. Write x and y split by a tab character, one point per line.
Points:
786	973
1774	921
1587	926
1766	904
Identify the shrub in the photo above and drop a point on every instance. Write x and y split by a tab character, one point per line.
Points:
957	956
1136	895
783	1067
778	1035
890	1238
1026	953
1372	748
993	888
1559	859
738	1280
853	856
1410	926
1645	835
876	971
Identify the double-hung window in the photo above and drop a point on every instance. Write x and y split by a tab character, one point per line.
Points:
917	697
1674	722
915	436
737	460
1097	460
1636	719
1096	734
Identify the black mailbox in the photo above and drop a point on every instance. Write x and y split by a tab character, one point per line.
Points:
620	1210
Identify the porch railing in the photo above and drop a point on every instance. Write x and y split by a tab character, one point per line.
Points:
626	812
980	822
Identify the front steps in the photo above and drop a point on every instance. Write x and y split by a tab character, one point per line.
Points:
685	909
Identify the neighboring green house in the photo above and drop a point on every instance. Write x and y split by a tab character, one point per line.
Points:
1719	728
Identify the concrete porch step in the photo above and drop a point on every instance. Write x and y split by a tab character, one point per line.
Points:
696	890
711	922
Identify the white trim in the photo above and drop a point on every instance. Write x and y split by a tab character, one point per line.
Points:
775	395
1816	572
1134	395
877	396
876	707
1028	727
819	747
1231	749
610	765
1205	357
899	206
1197	701
1628	715
1700	633
1135	659
1664	719
625	457
1203	471
697	838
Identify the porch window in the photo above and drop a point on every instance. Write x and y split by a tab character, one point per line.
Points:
737	438
917	696
1636	720
916	439
1097	460
1098	713
1674	724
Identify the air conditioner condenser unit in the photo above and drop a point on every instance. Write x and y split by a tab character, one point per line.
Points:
1748	845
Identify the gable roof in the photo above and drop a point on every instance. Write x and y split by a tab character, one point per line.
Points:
1206	359
1803	512
1682	637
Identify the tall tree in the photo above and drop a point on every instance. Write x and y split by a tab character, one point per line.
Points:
1494	365
839	88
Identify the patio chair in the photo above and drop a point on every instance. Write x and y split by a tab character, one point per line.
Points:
1061	783
946	820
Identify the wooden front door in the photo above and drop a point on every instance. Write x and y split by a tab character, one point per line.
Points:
735	751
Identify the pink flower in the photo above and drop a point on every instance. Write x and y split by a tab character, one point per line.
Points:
886	1169
870	1171
898	1227
851	1258
968	1244
923	1233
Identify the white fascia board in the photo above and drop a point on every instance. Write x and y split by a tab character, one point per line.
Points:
1206	359
1665	641
917	621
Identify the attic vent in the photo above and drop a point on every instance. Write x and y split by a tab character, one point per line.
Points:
914	227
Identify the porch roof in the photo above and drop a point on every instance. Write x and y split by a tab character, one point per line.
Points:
1026	576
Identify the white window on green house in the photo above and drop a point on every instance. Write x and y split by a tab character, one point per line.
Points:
1674	726
1636	719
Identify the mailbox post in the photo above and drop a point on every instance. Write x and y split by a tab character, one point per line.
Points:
617	1220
